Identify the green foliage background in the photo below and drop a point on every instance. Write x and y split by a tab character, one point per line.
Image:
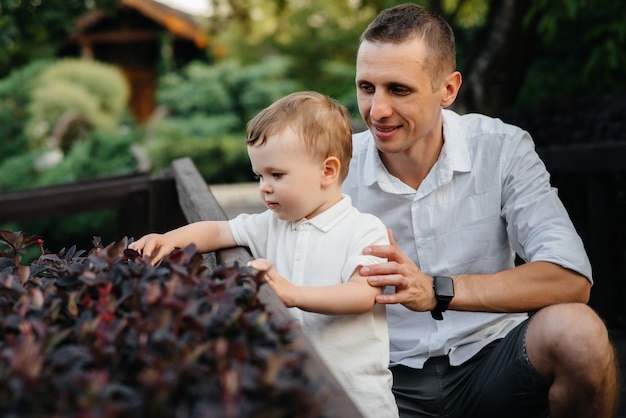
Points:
260	50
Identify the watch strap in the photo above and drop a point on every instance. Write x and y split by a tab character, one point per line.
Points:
444	292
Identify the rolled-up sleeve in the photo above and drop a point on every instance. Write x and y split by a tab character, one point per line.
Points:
538	224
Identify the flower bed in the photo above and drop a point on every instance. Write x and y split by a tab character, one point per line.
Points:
105	334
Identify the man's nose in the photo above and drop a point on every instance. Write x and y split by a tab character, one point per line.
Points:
381	106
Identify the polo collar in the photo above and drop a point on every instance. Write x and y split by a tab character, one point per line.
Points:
326	220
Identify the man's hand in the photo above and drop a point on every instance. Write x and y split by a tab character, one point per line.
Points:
414	289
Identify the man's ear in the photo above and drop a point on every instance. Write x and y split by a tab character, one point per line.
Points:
451	84
330	171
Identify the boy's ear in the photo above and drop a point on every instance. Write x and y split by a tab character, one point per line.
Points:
330	171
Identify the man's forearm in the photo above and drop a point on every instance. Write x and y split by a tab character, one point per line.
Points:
524	288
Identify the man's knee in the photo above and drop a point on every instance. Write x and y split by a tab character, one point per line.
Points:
570	336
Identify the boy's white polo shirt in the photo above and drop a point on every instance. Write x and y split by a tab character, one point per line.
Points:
325	251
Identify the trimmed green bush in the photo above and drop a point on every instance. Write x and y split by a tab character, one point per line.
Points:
96	92
15	96
104	82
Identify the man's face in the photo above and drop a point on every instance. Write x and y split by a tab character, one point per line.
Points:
395	95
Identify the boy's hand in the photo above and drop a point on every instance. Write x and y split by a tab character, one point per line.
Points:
285	290
153	246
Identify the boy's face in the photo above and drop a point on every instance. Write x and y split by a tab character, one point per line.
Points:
289	179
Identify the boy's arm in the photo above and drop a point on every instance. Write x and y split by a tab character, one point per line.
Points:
353	297
206	235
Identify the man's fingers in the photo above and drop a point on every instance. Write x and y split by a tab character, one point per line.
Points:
392	241
387	299
381	269
385	280
390	252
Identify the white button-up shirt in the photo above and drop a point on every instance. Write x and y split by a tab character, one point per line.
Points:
325	251
487	197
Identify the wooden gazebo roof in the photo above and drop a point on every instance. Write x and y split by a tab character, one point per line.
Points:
178	23
175	21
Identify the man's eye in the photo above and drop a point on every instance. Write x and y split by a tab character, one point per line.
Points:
400	91
367	88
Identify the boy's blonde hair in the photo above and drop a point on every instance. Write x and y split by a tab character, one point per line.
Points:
323	124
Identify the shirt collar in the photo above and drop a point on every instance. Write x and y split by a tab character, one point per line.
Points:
326	220
454	155
373	161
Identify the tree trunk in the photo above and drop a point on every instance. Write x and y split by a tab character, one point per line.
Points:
498	60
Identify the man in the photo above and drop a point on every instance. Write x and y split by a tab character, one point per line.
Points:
462	195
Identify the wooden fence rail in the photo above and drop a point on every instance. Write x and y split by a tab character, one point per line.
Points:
143	203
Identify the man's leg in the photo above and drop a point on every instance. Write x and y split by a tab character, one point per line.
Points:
568	344
497	382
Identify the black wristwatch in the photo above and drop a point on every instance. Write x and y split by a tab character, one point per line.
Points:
444	292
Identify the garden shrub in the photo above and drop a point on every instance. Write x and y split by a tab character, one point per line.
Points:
51	102
101	154
106	334
18	171
223	160
199	88
259	85
15	96
97	91
105	82
209	107
196	125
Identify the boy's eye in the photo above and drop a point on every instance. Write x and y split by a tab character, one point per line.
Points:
277	175
257	177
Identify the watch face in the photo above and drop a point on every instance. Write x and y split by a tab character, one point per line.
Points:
444	286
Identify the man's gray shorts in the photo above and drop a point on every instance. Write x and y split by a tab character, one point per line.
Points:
498	382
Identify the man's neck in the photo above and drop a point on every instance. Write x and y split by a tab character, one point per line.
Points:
413	165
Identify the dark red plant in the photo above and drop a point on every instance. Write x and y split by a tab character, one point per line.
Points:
105	334
17	243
